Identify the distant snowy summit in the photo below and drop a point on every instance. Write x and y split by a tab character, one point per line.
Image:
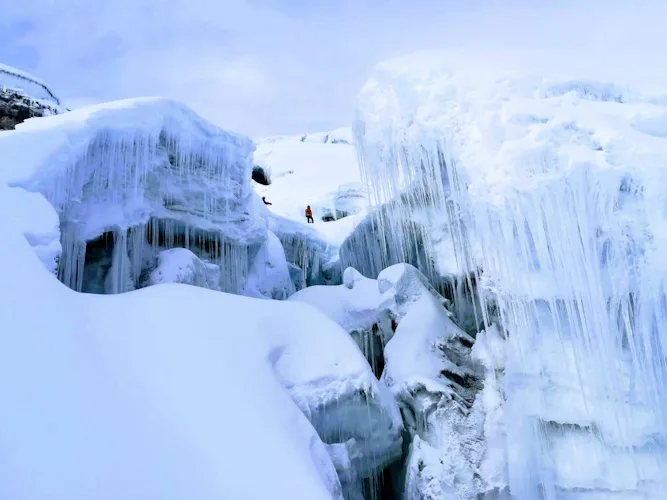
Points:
23	96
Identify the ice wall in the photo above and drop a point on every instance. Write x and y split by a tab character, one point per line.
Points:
554	192
132	178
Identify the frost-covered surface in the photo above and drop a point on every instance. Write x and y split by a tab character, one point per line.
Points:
120	374
148	172
553	189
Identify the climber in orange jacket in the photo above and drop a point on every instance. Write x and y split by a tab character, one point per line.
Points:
309	215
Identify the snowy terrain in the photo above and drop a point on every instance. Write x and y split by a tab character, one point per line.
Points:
552	188
319	170
117	374
132	178
499	335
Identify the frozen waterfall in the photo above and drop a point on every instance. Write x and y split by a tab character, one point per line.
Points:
554	193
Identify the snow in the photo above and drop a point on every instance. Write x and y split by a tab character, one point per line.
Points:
32	215
551	187
108	395
145	170
269	276
319	170
16	79
180	265
309	170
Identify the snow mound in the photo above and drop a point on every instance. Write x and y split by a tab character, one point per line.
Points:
131	178
552	188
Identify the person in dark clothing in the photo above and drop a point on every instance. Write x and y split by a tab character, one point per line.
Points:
309	215
266	202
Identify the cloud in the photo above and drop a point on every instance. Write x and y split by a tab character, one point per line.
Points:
289	66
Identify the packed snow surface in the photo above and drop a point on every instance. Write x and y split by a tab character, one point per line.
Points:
553	187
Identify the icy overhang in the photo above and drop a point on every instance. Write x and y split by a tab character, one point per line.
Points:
122	162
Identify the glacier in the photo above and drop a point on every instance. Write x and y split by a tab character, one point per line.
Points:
320	170
552	190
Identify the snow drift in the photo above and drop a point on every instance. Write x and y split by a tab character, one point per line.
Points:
552	189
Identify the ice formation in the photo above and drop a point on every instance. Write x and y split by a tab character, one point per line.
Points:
23	96
552	189
132	178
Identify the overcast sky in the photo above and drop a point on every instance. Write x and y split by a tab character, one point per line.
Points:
290	66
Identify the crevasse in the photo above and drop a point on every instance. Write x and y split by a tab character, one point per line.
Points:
553	191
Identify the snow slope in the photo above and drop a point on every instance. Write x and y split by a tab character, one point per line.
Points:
553	186
114	397
16	79
319	170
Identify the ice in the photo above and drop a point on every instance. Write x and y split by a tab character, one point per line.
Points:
37	220
132	178
552	188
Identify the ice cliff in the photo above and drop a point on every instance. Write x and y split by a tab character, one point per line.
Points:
552	189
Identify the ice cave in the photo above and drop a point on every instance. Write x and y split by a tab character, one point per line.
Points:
478	310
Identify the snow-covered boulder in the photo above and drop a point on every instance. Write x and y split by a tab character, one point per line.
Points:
180	265
23	96
269	276
132	178
551	185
